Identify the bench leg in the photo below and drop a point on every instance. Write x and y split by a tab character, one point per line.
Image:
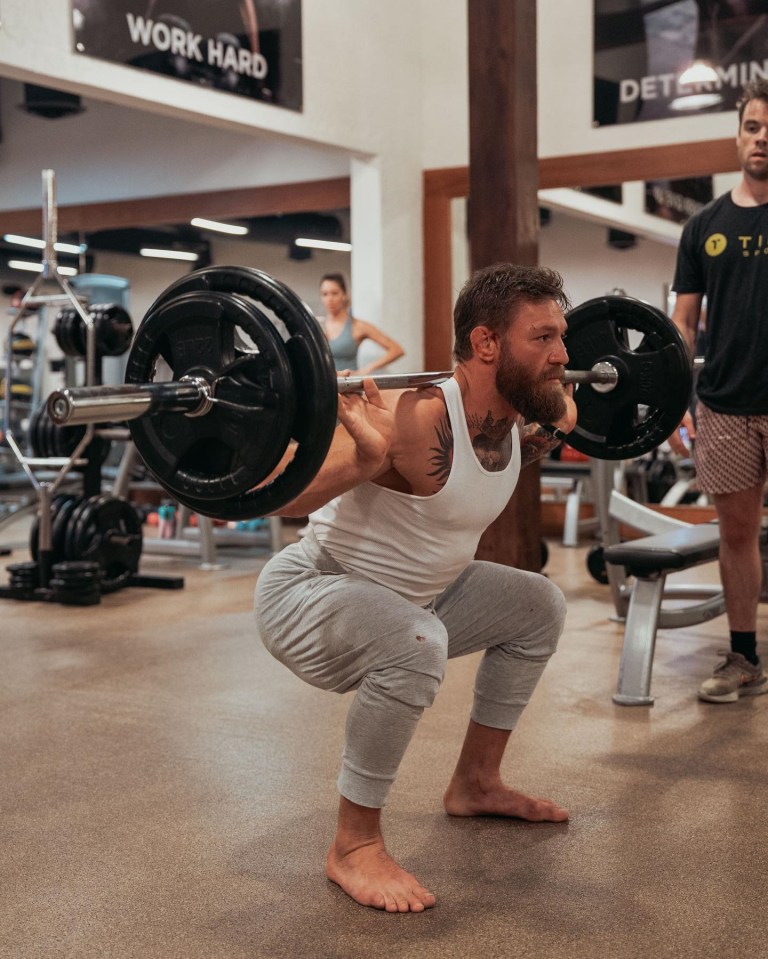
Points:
572	512
634	683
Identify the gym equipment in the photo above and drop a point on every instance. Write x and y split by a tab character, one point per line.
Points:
654	377
93	529
596	565
637	571
101	529
113	330
76	583
251	371
46	439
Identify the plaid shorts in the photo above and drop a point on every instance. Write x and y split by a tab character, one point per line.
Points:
730	451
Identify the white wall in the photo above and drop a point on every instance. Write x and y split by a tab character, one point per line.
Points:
578	249
113	152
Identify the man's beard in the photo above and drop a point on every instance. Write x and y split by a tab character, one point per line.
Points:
535	397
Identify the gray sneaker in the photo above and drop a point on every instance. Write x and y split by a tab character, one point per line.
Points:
733	678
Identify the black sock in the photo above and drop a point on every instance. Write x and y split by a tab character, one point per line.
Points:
746	644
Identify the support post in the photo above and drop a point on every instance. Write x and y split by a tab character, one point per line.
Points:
503	206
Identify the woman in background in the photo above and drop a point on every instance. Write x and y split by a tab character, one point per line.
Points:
345	332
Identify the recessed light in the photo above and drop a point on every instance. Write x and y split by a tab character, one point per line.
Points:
204	224
323	244
168	254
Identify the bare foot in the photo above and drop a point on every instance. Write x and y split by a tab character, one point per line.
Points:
499	800
371	877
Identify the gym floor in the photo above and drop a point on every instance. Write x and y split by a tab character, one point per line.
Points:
168	793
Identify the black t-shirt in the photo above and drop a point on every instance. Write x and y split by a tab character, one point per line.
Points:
723	254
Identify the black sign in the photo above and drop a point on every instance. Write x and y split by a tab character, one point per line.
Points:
251	48
678	200
643	47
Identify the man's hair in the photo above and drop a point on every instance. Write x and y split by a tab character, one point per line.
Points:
491	297
754	90
337	278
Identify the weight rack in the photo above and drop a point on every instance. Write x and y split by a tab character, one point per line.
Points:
46	489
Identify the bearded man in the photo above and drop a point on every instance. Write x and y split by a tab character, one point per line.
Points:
384	588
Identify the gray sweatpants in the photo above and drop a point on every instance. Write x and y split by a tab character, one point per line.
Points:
339	631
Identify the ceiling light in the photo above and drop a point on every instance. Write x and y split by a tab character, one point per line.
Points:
168	254
40	244
700	71
219	227
38	267
323	244
695	101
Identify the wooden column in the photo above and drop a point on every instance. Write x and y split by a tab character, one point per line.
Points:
503	207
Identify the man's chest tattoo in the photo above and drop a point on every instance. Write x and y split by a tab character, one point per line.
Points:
492	445
493	442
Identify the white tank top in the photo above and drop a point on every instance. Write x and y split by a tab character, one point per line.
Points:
417	545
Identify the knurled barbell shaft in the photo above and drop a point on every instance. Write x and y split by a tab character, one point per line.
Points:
103	404
404	381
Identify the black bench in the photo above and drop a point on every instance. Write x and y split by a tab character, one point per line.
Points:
665	552
649	560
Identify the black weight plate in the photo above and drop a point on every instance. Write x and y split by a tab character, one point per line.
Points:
596	565
33	441
59	531
55	437
114	330
59	332
98	450
61	503
48	428
26	573
66	438
655	380
69	539
107	531
228	341
78	334
68	323
73	325
314	378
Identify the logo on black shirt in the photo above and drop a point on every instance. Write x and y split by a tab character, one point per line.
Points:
715	244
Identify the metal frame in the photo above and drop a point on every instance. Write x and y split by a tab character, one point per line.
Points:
639	603
45	489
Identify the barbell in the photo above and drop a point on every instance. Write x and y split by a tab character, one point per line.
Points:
229	368
193	395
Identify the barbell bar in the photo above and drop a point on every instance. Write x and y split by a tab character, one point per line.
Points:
193	396
229	368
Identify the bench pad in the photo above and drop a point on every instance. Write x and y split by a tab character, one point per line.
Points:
675	549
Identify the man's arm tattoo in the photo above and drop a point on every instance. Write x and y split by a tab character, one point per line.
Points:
535	443
441	454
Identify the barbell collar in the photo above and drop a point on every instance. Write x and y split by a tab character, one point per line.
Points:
603	377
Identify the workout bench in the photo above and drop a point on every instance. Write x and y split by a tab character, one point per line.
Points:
637	573
650	560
